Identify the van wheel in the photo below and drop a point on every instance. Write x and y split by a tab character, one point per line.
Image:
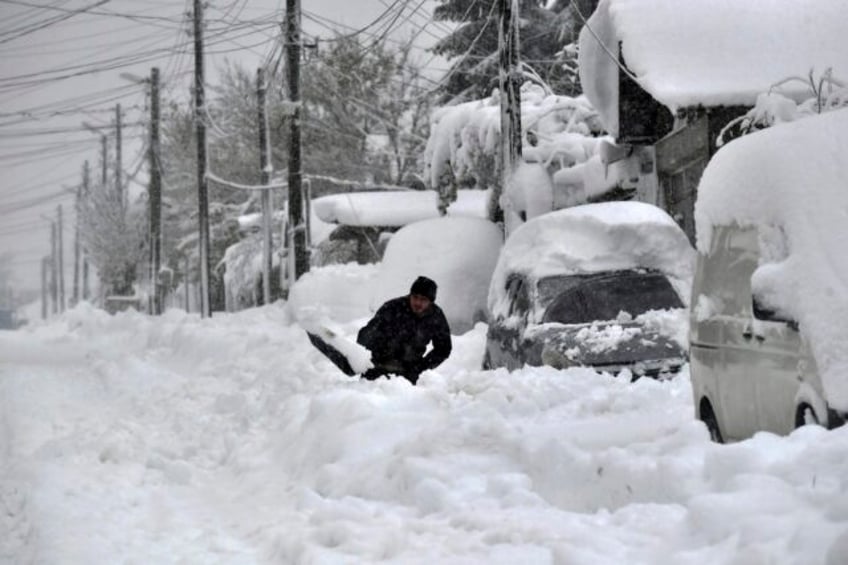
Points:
709	419
805	415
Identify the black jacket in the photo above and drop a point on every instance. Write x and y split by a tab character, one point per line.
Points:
395	335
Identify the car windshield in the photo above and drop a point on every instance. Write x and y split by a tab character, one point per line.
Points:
601	296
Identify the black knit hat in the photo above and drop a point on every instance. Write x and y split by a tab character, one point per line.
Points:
424	287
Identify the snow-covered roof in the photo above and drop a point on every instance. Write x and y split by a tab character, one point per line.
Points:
593	238
793	176
711	52
396	207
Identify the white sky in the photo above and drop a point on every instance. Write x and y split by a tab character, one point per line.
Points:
35	166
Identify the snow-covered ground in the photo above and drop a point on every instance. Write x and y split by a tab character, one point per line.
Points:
139	440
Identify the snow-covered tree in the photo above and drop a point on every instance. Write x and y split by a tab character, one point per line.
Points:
826	93
545	30
364	112
114	237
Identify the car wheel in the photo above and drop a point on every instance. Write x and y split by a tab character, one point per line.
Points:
709	419
805	415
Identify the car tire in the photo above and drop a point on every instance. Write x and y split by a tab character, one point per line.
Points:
801	416
709	419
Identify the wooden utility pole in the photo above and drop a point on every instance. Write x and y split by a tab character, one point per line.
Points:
118	181
155	196
265	169
54	289
86	188
45	262
77	249
509	83
61	265
202	182
295	186
104	160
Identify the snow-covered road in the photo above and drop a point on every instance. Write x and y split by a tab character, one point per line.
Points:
130	439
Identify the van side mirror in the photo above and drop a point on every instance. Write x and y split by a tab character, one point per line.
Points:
769	315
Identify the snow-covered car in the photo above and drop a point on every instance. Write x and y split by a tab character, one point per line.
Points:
769	298
602	285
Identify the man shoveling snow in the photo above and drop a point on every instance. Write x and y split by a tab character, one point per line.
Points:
397	337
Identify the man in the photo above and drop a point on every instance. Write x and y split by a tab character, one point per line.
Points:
400	331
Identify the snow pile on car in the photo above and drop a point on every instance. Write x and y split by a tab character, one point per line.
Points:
594	238
395	207
794	176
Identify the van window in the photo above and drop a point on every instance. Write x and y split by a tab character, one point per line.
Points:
724	274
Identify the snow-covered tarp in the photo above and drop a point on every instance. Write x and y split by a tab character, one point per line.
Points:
458	253
710	52
592	238
394	208
795	177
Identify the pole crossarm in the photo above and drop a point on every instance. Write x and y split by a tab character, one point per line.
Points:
223	182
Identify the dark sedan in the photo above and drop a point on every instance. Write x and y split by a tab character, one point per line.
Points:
593	319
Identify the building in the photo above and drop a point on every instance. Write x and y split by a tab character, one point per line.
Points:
667	77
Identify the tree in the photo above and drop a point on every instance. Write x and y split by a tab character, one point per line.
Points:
114	238
544	35
365	112
363	120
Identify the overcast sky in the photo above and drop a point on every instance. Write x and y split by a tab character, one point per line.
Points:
44	44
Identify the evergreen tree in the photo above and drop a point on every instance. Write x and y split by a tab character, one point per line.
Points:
543	35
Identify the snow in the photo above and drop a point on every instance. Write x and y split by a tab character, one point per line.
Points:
558	132
792	177
592	238
230	440
712	52
394	208
459	254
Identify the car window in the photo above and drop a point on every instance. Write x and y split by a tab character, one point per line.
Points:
518	296
602	297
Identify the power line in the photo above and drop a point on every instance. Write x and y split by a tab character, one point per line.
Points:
46	23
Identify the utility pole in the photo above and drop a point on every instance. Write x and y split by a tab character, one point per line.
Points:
104	160
54	290
118	163
202	186
155	195
509	83
86	184
44	265
265	168
61	266
296	224
77	251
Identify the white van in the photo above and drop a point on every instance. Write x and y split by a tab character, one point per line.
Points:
769	309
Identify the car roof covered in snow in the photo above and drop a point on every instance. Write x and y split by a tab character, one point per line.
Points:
593	238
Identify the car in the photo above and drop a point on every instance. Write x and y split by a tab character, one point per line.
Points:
769	299
601	285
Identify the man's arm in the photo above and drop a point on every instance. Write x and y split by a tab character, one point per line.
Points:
442	345
372	336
